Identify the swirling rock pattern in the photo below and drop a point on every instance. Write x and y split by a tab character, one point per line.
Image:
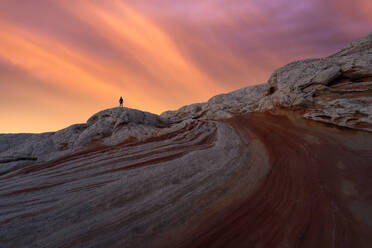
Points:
119	195
259	180
282	164
317	192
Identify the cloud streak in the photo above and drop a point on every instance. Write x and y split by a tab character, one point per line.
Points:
58	67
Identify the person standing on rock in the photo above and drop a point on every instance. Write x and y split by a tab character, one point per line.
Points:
121	101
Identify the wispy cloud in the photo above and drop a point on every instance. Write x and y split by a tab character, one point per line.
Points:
60	62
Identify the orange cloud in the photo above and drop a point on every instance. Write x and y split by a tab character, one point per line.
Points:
89	81
58	69
133	33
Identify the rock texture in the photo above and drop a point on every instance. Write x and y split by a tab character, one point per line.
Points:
284	164
106	128
336	90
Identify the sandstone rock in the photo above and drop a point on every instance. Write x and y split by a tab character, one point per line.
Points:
335	90
108	127
327	75
128	178
206	184
306	85
353	113
222	106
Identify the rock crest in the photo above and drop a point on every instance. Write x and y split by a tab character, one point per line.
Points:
335	90
105	128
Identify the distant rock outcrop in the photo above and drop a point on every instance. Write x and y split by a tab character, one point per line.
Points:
336	89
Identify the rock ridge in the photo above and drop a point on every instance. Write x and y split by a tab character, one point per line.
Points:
105	128
336	90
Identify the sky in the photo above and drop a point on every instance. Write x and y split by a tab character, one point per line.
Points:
62	61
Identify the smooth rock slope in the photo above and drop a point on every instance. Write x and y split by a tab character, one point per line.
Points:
284	164
106	128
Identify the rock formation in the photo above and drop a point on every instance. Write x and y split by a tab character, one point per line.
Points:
286	163
336	89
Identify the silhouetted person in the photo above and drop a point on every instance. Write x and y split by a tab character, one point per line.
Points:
121	101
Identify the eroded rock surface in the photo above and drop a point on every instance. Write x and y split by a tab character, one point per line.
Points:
245	169
125	193
106	128
255	180
336	89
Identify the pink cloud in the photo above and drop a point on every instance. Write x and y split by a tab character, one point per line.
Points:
161	54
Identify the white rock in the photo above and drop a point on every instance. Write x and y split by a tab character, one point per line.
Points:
107	127
311	85
336	89
327	75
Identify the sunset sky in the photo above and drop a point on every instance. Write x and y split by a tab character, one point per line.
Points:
62	61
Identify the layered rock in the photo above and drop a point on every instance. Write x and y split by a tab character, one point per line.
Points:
106	128
256	180
336	90
245	169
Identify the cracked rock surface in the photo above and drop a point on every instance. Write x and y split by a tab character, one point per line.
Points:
336	89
